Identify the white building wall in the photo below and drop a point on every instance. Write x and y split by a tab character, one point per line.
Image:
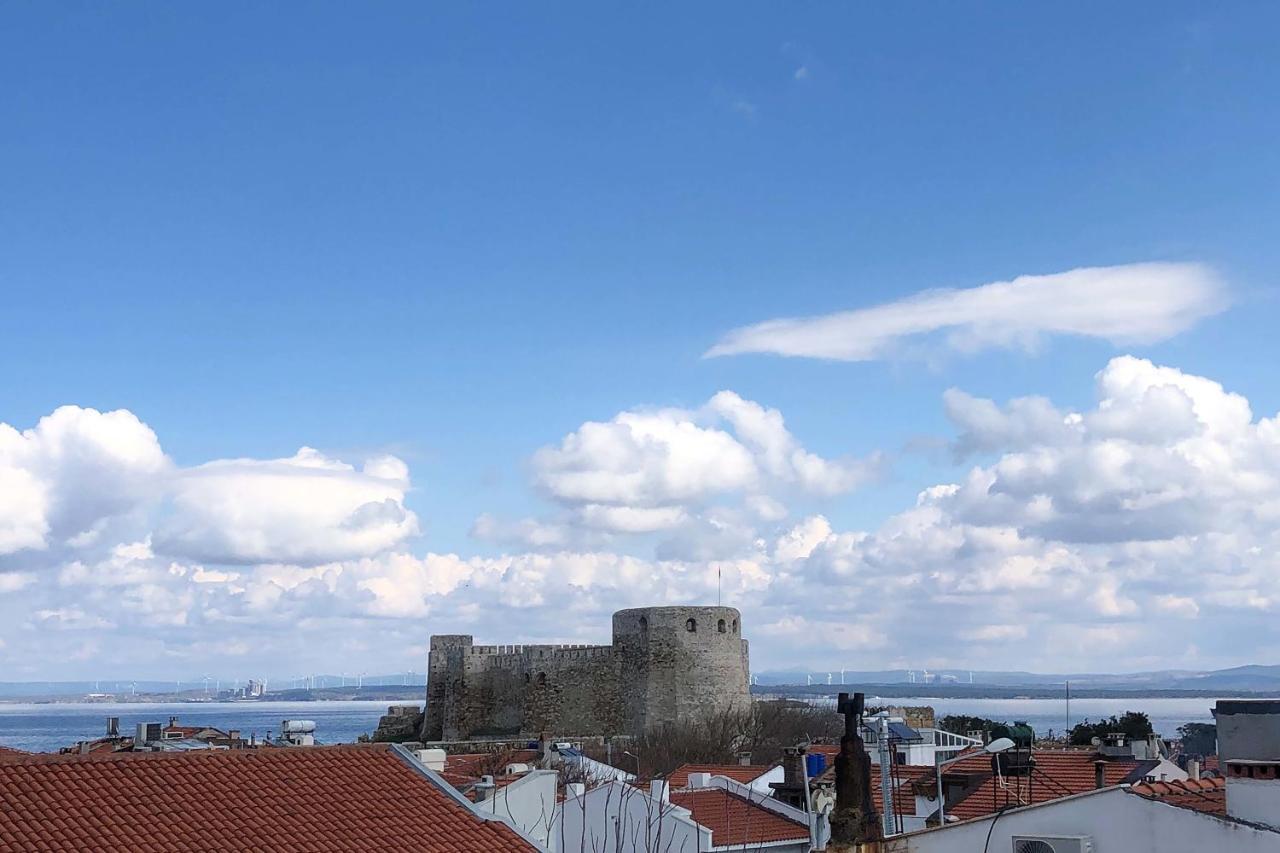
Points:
621	818
529	803
1116	820
1257	800
760	784
1167	771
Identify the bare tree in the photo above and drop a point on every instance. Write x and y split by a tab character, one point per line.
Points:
764	730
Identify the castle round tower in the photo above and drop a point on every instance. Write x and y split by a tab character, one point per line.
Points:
678	663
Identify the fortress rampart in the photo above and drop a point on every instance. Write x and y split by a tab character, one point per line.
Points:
665	664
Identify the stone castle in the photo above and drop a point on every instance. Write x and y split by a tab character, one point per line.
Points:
665	665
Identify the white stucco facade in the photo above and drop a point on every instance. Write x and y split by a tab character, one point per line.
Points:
1114	820
619	818
528	804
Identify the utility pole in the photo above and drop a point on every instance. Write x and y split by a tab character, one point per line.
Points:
886	777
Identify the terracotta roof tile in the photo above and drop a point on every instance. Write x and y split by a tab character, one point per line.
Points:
312	798
1058	773
734	820
745	773
1202	795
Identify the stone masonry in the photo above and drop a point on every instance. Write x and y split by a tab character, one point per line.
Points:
665	665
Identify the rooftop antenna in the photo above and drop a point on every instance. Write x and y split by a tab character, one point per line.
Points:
1068	710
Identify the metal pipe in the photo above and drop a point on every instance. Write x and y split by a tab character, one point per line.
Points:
886	779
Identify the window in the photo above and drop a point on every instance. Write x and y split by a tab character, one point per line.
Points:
542	679
644	623
720	626
691	625
526	678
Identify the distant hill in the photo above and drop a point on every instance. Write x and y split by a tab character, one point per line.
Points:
1252	677
195	688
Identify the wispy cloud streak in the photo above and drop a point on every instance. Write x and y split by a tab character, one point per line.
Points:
1129	304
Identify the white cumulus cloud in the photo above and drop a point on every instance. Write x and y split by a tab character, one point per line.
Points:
649	470
307	508
1075	538
76	469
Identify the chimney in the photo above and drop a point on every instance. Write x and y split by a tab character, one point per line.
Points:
484	788
793	766
173	721
744	759
432	759
1193	769
234	734
660	791
113	727
1099	774
699	780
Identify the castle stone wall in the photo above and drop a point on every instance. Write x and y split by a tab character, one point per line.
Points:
656	671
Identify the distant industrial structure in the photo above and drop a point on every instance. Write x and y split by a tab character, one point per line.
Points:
665	664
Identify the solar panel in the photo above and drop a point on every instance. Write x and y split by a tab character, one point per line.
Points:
903	732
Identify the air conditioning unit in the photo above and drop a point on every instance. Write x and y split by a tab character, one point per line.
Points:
1052	844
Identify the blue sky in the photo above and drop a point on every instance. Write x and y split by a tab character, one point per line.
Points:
455	233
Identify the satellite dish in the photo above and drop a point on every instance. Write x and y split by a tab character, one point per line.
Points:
1000	745
1096	741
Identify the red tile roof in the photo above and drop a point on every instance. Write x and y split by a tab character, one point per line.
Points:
463	770
310	798
734	820
745	773
1202	795
488	763
1058	773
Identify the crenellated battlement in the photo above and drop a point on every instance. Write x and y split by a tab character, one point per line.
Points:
536	650
526	658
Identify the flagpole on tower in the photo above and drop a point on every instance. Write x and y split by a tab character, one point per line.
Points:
717	586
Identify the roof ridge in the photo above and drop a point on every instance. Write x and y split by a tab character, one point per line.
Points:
203	754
